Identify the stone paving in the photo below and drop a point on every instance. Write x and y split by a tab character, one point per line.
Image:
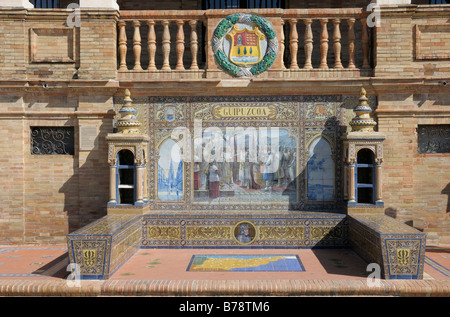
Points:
42	271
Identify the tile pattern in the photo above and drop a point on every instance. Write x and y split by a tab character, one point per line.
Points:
396	247
101	247
220	230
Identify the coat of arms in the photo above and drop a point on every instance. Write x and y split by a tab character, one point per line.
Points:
89	257
404	256
245	48
244	44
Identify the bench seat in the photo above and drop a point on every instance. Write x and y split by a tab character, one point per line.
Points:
101	247
397	248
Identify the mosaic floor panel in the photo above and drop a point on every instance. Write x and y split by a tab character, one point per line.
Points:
247	263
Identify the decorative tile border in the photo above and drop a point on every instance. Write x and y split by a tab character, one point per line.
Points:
265	230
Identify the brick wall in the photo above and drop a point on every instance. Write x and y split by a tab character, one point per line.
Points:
44	197
415	186
413	41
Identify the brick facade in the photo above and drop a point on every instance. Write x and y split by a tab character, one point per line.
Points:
43	198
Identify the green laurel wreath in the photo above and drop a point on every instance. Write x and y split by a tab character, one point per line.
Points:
271	52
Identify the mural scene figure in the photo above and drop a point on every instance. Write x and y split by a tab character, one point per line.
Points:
255	170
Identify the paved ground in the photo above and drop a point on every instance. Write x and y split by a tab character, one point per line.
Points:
42	270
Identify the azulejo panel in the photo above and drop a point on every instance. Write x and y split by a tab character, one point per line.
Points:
240	231
404	256
242	184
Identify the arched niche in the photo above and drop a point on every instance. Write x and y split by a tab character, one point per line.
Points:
170	172
320	171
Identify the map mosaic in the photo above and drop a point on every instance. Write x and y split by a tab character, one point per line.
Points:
246	263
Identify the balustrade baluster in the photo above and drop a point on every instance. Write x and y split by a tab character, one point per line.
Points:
365	43
282	45
122	46
351	43
151	45
137	45
194	44
324	43
166	45
180	45
337	44
308	43
293	44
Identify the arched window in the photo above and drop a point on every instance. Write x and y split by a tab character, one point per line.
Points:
320	171
126	177
365	177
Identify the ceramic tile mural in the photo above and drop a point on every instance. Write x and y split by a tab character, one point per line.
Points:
232	142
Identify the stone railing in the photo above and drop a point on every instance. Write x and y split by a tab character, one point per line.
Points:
320	20
158	51
176	44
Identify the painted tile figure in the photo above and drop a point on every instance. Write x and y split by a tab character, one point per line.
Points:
214	190
268	169
253	166
244	235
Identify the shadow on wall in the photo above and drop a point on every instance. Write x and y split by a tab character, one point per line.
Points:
446	191
86	193
315	187
392	212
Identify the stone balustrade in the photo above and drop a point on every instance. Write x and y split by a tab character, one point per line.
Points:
175	44
159	51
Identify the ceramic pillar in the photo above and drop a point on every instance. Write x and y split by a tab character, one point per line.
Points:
112	184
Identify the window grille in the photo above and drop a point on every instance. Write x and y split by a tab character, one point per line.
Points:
52	141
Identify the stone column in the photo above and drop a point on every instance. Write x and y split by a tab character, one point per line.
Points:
139	185
145	188
378	181
16	4
351	179
112	183
104	4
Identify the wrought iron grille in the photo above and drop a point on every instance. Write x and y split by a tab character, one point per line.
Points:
434	138
52	140
45	4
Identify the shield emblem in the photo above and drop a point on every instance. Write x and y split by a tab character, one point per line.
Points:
170	113
245	48
89	257
404	256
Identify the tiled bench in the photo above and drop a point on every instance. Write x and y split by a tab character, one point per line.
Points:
101	247
397	248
